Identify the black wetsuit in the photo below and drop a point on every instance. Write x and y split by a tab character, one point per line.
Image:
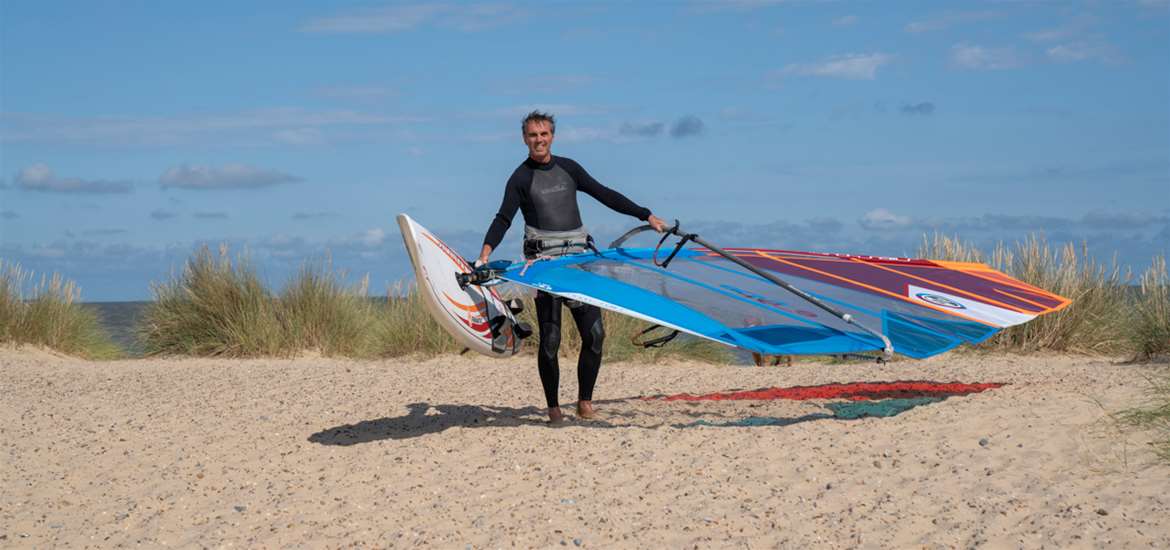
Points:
547	195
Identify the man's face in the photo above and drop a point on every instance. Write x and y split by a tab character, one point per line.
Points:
538	137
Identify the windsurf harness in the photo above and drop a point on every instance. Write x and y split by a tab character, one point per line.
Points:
554	244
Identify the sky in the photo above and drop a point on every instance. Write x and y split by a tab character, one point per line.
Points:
134	133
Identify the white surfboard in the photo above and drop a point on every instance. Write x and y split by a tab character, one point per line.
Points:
476	316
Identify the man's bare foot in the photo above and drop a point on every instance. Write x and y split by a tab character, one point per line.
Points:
555	416
585	409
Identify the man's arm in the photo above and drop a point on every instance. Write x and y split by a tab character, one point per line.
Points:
614	200
503	218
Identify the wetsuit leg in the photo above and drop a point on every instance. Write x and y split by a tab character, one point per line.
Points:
548	316
592	331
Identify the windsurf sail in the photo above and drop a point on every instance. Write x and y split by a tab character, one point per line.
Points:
781	302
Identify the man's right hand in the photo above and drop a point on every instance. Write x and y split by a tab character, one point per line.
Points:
657	223
484	253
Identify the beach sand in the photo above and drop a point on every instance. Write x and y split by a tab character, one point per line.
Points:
453	452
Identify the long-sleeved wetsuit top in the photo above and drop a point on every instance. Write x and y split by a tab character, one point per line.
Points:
547	195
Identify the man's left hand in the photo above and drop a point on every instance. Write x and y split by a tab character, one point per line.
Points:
657	223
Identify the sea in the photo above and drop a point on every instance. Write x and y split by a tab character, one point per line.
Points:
120	320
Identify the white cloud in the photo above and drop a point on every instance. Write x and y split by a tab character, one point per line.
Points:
230	176
1067	31
373	237
707	6
1084	51
46	251
882	219
1072	42
642	129
39	177
299	136
846	20
849	66
362	93
578	134
477	17
319	214
405	17
265	125
557	109
379	20
971	56
947	20
545	84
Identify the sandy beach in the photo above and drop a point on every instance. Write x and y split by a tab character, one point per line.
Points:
453	452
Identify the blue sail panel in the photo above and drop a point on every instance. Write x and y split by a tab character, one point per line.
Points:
630	284
708	295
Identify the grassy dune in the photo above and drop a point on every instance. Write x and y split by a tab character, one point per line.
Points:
1107	316
1150	328
47	314
219	306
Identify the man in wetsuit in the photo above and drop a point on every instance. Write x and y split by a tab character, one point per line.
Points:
545	188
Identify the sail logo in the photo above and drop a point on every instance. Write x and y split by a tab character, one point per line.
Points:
937	300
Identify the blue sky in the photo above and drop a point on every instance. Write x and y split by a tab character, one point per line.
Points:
133	132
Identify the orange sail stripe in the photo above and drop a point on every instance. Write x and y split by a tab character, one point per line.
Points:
876	289
964	266
997	277
1046	309
953	289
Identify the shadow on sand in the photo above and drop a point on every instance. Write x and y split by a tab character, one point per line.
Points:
849	401
424	419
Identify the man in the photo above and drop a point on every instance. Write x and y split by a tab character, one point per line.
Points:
544	188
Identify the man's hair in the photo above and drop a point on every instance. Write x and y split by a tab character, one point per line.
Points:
537	116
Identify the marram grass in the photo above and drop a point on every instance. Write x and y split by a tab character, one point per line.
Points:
1155	415
217	306
1150	329
220	307
1150	337
409	329
49	315
1097	321
214	307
